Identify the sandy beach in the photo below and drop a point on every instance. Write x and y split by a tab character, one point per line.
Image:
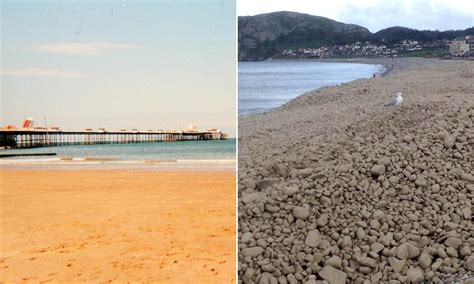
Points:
117	226
334	186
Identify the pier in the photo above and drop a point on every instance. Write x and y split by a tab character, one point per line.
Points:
32	138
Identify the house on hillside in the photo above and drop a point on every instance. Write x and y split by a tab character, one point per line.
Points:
462	46
470	41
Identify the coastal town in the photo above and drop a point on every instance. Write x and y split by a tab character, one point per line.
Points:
459	47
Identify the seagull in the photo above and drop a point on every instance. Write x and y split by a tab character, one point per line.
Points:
395	101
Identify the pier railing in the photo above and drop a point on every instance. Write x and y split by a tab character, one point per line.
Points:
29	138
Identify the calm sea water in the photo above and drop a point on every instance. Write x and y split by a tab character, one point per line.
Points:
269	84
191	152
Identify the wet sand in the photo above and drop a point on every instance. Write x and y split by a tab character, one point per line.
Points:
117	225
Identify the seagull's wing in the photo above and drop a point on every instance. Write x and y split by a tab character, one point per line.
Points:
391	102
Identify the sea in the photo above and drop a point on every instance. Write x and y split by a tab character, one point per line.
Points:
269	84
192	155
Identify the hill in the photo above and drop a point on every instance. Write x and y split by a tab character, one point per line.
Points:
396	34
262	36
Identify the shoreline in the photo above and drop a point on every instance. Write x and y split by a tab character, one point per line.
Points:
117	225
97	164
151	156
196	168
348	185
389	65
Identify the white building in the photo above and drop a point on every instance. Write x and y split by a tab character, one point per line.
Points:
459	47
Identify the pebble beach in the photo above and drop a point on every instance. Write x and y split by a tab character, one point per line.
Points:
336	188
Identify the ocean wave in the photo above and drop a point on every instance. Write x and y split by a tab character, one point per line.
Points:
19	161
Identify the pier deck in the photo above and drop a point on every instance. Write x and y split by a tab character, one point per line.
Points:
31	138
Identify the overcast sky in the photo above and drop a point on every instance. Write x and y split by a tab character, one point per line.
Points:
375	14
119	64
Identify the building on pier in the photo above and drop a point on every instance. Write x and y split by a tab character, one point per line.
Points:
30	138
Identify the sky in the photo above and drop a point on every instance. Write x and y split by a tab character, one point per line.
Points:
119	64
375	14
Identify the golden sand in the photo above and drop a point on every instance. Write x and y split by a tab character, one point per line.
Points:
98	226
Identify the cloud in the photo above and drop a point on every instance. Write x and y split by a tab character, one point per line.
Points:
375	14
40	72
87	48
417	14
